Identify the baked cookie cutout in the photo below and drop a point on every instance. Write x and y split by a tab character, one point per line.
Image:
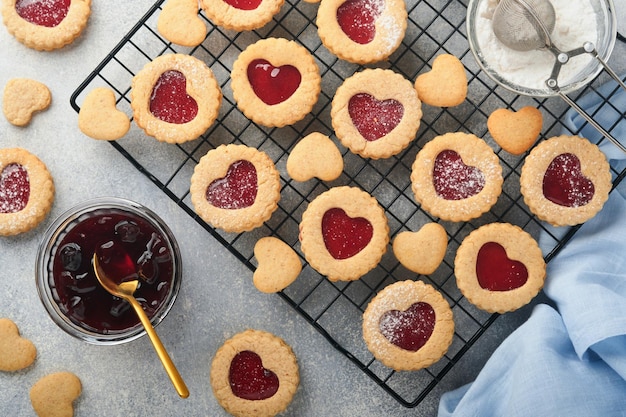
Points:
344	233
376	113
515	131
456	177
45	25
175	98
22	98
16	352
275	82
241	15
54	394
315	156
278	265
26	191
254	374
565	180
180	23
445	85
235	188
422	251
99	117
408	326
499	267
362	31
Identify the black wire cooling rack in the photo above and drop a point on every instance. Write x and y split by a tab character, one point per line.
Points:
335	309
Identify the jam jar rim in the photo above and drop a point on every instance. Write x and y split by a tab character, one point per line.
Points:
58	229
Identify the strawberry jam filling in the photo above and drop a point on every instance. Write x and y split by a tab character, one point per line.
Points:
238	189
14	188
343	235
564	183
374	118
409	329
271	84
169	100
47	13
453	180
357	18
496	271
249	379
244	4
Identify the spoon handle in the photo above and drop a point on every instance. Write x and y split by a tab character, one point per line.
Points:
169	366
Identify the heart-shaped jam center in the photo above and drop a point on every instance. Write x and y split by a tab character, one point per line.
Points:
409	329
496	272
237	189
564	183
14	188
244	4
453	180
357	17
48	13
271	84
374	118
249	379
343	235
169	100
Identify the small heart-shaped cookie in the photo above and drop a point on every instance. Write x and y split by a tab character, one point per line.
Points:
315	156
515	132
422	251
22	98
445	85
99	118
279	265
54	394
179	23
15	352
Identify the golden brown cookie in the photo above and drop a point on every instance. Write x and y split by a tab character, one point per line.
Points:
99	117
456	177
235	188
241	15
362	31
175	98
16	352
45	25
279	265
26	191
445	85
499	267
315	156
344	233
376	113
421	251
254	374
22	98
515	131
408	326
180	23
275	82
54	394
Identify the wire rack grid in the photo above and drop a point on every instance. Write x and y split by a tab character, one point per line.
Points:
335	309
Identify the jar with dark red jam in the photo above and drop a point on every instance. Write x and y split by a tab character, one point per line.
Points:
67	284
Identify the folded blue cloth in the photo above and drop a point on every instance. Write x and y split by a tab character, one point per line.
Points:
570	362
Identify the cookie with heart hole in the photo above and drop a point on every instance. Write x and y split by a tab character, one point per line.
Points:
175	98
278	265
45	25
99	117
445	85
499	267
408	326
22	98
275	82
515	131
241	15
235	188
315	156
16	352
54	394
180	23
254	374
376	113
344	233
565	180
456	177
26	191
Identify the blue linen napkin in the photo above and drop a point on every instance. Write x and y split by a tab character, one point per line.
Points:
570	362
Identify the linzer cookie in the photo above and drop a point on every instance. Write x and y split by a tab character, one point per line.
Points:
456	177
254	374
408	326
376	113
175	98
275	82
241	15
235	188
26	191
499	267
45	25
565	180
362	31
344	233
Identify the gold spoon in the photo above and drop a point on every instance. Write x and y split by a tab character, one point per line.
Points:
126	290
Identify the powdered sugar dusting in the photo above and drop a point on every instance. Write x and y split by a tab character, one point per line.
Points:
14	188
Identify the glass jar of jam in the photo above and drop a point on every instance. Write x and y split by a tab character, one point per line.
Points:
67	284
